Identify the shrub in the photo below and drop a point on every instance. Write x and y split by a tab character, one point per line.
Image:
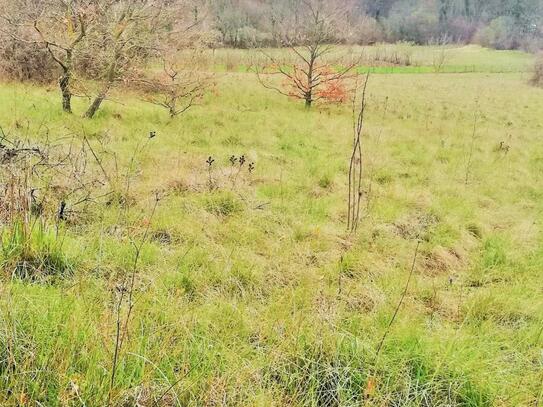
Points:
334	91
417	25
500	33
26	62
368	31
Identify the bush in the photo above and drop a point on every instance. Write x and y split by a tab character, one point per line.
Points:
26	62
461	29
500	33
368	31
537	79
417	25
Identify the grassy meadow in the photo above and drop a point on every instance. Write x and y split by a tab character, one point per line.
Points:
248	289
386	58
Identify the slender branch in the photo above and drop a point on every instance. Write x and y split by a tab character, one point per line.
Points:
355	165
122	328
400	303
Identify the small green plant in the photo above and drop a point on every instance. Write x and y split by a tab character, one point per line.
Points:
224	204
326	181
494	253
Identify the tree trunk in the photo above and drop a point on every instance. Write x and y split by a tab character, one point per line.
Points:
64	83
467	9
308	96
97	102
95	105
443	13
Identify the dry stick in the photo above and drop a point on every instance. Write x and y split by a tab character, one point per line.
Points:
387	331
359	135
120	328
349	202
372	172
358	192
139	148
359	188
355	173
97	160
472	147
170	388
134	269
351	175
237	175
117	347
353	167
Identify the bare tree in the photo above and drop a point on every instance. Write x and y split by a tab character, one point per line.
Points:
121	41
103	41
230	19
130	33
59	26
178	88
441	53
309	71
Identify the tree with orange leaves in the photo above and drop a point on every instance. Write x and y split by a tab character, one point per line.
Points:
309	71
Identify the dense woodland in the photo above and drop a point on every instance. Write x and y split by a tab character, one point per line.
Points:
501	24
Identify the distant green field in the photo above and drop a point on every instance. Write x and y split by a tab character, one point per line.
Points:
457	59
473	57
252	293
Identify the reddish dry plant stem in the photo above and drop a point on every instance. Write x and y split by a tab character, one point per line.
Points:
355	166
369	193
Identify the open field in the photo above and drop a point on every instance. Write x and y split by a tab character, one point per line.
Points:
252	293
381	58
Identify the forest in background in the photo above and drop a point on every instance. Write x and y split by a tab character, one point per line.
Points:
500	24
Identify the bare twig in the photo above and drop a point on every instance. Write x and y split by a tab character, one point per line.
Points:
472	146
355	165
128	293
402	298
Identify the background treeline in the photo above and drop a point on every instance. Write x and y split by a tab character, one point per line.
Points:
501	24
